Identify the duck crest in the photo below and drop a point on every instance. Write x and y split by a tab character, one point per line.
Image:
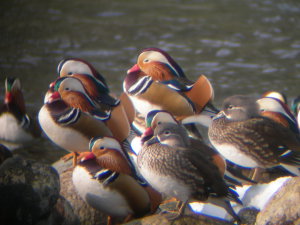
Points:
71	66
94	86
109	154
97	90
14	99
168	61
74	94
278	111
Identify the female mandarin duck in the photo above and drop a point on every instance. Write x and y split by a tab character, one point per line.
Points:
16	126
157	117
178	170
74	93
250	140
278	110
104	180
69	127
160	66
72	66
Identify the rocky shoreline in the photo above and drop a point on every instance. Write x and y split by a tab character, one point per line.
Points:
35	193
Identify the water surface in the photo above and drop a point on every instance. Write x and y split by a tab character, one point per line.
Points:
243	47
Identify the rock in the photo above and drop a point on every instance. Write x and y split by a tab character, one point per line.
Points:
284	207
84	213
62	214
189	217
195	219
29	191
248	215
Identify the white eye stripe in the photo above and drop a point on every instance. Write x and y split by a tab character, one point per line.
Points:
157	56
74	66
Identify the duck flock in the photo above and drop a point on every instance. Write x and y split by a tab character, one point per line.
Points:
131	153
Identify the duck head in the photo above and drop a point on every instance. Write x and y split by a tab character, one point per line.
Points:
73	93
158	64
156	117
109	154
13	94
71	66
238	108
172	135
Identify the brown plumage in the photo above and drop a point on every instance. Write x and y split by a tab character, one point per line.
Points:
240	131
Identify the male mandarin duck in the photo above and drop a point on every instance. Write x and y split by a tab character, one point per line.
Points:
250	140
16	126
279	111
160	66
74	93
147	95
69	127
277	95
296	109
72	66
104	179
178	170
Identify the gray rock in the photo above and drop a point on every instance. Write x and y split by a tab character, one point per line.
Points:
29	191
248	215
284	207
195	219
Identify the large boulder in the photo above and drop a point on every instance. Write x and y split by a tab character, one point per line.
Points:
29	191
196	219
284	207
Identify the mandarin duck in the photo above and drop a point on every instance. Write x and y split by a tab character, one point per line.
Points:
160	66
103	178
230	174
277	95
72	66
279	111
158	82
296	109
250	140
181	171
69	127
16	126
74	93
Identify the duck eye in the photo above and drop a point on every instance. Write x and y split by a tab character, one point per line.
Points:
101	147
167	132
67	89
230	106
158	123
70	73
146	60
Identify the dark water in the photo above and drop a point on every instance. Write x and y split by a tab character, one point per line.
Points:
244	47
